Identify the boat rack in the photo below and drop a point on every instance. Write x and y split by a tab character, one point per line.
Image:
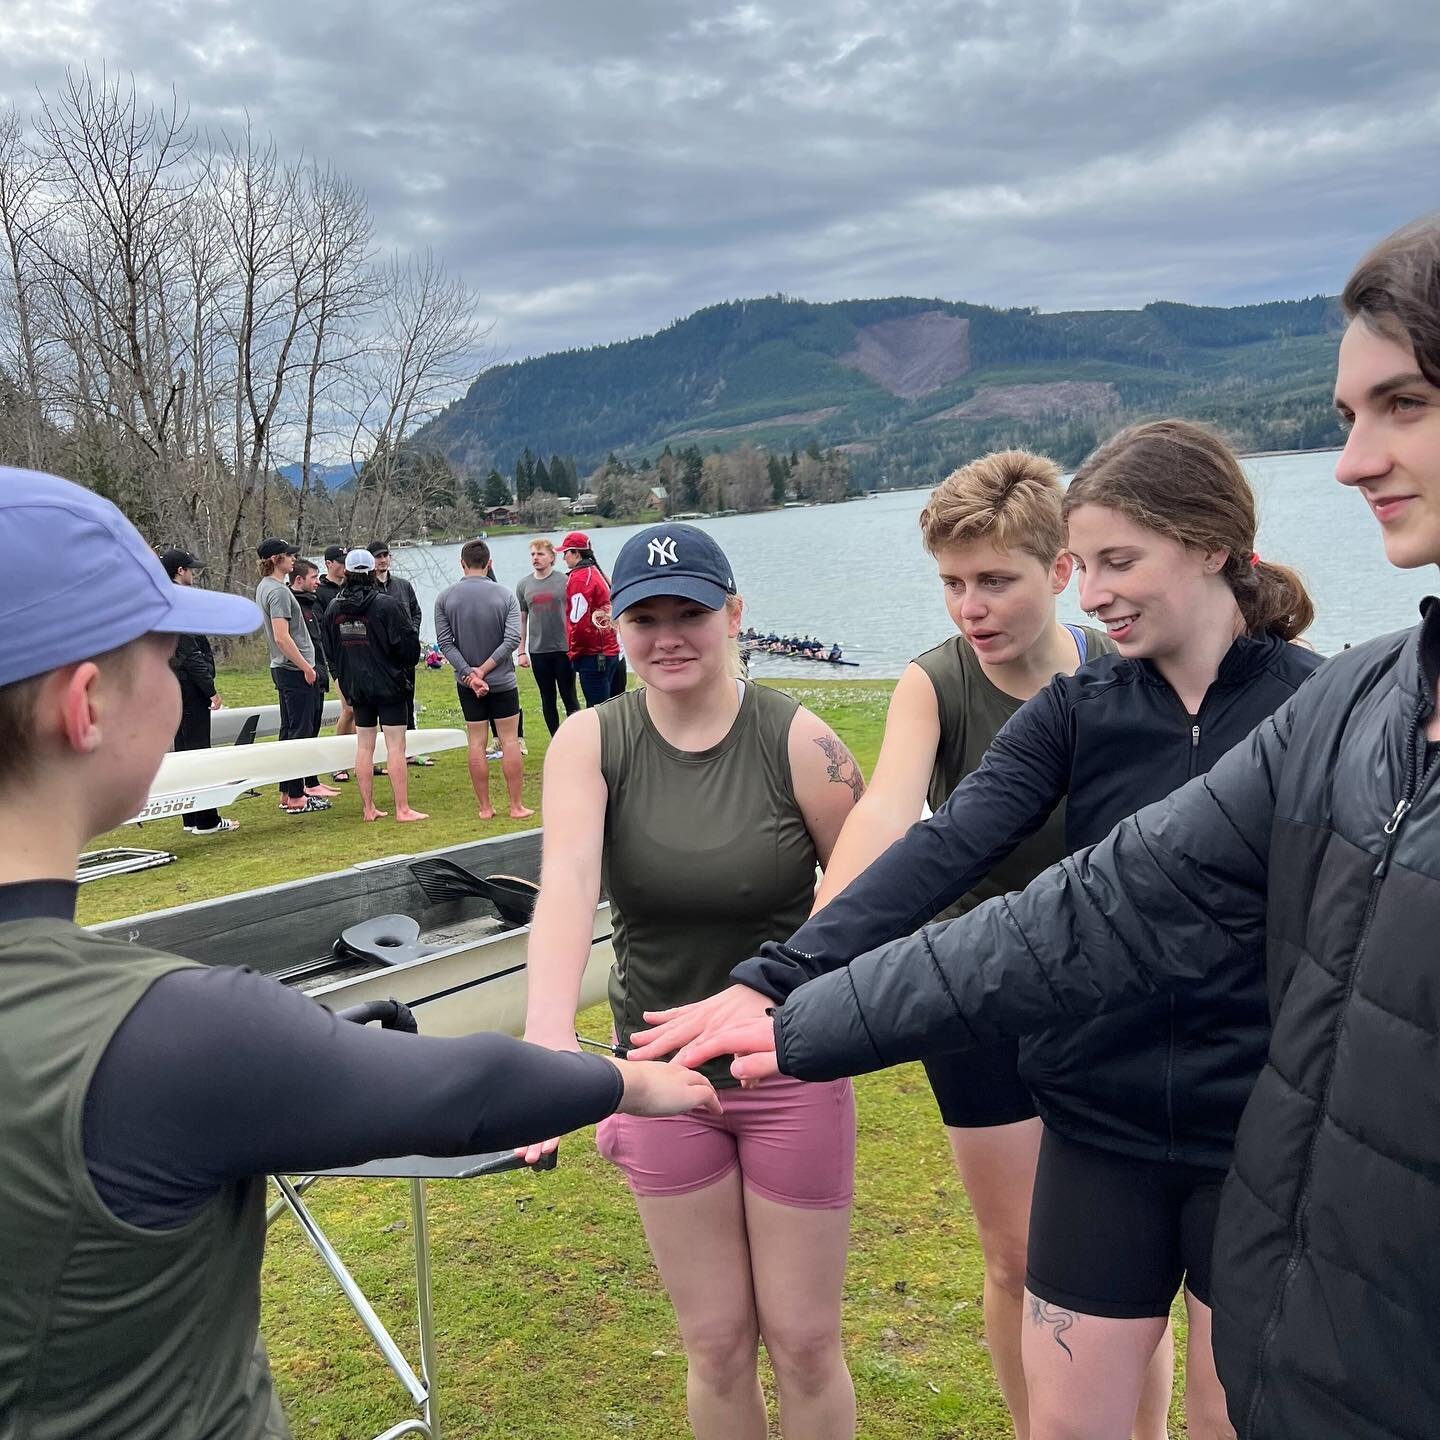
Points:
415	1170
119	860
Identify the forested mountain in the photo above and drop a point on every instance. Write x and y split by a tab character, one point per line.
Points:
907	386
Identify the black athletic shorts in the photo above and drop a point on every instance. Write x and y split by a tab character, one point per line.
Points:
493	705
982	1087
369	713
1113	1235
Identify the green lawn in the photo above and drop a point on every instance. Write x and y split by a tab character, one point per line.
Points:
550	1320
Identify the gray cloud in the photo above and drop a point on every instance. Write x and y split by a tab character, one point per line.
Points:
597	169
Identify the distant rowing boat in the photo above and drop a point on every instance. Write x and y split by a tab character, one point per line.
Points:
794	655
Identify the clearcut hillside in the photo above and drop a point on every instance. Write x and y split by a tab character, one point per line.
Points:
907	387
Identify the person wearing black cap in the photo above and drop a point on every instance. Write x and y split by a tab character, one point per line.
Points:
194	665
146	1097
292	661
704	803
330	584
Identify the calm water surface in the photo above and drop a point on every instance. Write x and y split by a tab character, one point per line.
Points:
856	573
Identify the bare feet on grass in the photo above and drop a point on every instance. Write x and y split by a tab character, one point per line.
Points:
487	813
520	812
323	792
373	814
408	814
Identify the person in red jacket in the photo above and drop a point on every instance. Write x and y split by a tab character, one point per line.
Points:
590	638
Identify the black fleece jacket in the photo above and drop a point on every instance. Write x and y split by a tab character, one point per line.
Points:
1167	1079
1315	845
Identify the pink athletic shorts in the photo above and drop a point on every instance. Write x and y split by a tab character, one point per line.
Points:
794	1144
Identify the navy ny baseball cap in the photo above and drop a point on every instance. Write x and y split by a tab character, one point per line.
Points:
82	580
671	560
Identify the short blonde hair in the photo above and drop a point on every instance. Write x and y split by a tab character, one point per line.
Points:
1010	498
543	545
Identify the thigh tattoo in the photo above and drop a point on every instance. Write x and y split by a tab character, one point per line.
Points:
1053	1318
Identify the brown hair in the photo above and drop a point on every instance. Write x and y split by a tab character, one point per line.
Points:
475	555
1181	479
268	564
1011	498
1395	290
301	569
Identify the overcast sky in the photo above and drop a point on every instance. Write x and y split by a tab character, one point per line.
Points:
599	169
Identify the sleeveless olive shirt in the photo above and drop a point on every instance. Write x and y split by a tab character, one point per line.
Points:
107	1330
973	709
706	854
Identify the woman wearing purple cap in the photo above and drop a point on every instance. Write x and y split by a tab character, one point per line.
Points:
702	804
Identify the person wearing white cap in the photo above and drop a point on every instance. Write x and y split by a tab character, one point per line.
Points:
145	1097
374	649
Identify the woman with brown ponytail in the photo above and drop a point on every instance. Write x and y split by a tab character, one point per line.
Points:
1140	1106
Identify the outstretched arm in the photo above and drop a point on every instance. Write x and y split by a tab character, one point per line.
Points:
1023	777
1170	894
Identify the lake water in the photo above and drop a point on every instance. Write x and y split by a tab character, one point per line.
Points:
856	573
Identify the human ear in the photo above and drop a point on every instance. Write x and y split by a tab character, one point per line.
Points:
80	708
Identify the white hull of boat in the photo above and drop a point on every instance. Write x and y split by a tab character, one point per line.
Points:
227	722
211	779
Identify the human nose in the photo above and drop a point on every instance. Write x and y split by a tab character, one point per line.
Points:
974	606
1365	456
1093	595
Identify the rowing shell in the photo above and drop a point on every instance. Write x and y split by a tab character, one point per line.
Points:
211	779
227	722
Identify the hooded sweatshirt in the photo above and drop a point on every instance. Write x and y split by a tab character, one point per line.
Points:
371	644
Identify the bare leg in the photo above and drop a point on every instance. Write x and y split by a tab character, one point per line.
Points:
797	1259
1205	1415
997	1168
399	779
345	725
477	735
703	1255
1152	1415
365	771
1084	1373
512	764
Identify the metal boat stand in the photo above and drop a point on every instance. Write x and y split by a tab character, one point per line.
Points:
416	1169
119	860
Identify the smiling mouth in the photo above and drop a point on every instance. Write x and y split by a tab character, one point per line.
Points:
1387	506
1117	624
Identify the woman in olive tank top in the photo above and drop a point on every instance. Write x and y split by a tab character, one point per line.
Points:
702	804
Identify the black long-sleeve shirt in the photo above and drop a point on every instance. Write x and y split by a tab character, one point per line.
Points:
218	1073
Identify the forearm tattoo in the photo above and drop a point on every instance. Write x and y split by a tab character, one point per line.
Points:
1054	1318
841	768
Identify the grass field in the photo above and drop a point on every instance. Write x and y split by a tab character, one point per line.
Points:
550	1320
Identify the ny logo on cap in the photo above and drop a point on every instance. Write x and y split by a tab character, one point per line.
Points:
662	552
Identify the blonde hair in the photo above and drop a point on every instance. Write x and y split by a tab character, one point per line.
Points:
734	665
1010	498
544	545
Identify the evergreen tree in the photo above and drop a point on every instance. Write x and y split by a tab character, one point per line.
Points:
560	477
775	467
690	479
522	483
497	492
542	477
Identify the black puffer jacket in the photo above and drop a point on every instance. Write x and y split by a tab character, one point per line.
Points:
1321	836
194	664
1167	1079
371	644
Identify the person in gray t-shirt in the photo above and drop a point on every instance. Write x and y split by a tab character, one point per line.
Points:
541	597
477	627
292	665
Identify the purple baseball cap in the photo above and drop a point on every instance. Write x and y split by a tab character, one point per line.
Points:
82	581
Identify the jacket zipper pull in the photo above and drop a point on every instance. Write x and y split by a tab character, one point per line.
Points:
1392	826
1194	737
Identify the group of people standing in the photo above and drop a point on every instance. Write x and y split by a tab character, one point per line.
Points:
1198	1054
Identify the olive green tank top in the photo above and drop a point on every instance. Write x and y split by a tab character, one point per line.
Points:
973	709
706	854
108	1331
